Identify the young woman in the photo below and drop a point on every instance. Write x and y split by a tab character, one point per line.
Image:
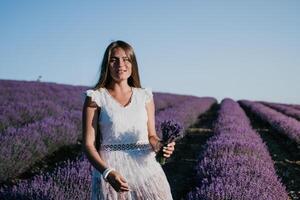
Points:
119	134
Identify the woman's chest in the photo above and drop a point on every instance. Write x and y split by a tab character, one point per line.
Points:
114	116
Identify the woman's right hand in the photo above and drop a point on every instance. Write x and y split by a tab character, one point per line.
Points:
117	181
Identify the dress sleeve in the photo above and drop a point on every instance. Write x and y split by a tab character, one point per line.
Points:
148	95
94	96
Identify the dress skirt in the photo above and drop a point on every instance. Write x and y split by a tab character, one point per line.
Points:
144	175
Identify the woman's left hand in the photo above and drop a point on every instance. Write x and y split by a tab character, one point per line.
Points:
168	150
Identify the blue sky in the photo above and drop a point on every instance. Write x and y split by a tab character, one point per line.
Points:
237	49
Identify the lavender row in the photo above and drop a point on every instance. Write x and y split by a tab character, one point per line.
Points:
166	100
30	91
18	114
25	102
186	113
296	106
235	163
287	110
21	147
286	125
19	97
70	180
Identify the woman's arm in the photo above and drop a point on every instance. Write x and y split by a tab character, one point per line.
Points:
154	140
89	130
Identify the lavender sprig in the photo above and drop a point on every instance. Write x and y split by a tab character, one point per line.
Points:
170	133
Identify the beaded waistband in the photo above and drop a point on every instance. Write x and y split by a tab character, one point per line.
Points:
128	146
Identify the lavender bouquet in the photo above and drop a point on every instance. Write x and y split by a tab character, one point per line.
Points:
170	133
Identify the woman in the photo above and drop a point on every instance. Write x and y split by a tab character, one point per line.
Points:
119	134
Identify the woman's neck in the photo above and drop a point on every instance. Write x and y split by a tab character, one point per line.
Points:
119	87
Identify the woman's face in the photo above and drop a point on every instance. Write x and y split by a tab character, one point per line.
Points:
120	67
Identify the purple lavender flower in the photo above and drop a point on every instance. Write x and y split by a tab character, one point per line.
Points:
170	133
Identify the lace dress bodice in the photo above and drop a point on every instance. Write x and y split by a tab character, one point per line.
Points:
122	124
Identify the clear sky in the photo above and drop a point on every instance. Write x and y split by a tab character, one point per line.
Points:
239	49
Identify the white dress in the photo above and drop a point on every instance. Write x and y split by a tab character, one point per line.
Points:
125	147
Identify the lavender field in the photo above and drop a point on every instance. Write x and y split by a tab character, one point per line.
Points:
229	150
